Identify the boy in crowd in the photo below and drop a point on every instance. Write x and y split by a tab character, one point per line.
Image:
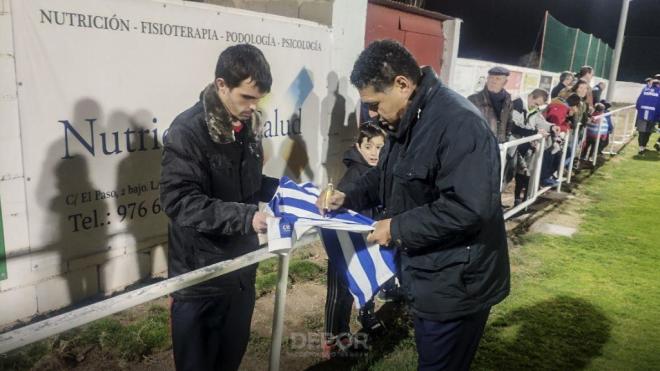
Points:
358	160
600	126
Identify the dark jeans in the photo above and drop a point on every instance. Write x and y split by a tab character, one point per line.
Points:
448	345
211	334
550	163
590	147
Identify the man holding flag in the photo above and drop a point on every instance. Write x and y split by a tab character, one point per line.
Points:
438	182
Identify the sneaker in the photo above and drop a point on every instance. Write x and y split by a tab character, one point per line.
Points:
641	150
337	346
550	182
370	323
388	296
390	292
657	146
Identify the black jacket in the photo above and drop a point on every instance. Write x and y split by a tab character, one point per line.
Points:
438	178
210	186
356	166
554	93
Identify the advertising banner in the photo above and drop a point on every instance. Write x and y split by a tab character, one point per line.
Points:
99	82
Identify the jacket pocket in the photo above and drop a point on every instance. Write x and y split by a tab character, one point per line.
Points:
411	172
435	280
412	186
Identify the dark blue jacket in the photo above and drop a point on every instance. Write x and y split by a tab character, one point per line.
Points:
438	178
648	104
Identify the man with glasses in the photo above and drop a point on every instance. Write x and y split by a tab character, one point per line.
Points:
438	182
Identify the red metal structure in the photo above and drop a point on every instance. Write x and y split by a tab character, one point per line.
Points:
419	30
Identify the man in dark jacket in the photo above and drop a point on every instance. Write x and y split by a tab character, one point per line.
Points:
211	182
565	81
438	181
495	103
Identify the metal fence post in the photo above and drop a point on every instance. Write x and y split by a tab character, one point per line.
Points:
278	316
575	143
536	178
564	150
600	125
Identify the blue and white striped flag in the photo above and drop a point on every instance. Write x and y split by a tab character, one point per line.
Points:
366	267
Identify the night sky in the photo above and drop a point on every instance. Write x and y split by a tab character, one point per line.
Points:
505	30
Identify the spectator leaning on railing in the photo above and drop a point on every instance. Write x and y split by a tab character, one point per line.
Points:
601	126
581	89
527	121
559	113
586	74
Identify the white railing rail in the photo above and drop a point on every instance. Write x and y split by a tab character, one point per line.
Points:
28	334
536	175
22	336
629	116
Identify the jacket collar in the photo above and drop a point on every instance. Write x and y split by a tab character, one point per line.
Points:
219	121
428	82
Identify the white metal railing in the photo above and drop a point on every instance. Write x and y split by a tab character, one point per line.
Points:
25	335
629	116
565	169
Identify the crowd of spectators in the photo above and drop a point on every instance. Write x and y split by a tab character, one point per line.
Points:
553	114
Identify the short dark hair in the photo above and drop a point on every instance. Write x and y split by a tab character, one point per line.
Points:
369	129
585	70
381	62
599	107
564	75
538	93
243	61
573	100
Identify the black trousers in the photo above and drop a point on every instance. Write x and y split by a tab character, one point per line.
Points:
643	138
522	183
211	334
338	304
590	146
448	345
